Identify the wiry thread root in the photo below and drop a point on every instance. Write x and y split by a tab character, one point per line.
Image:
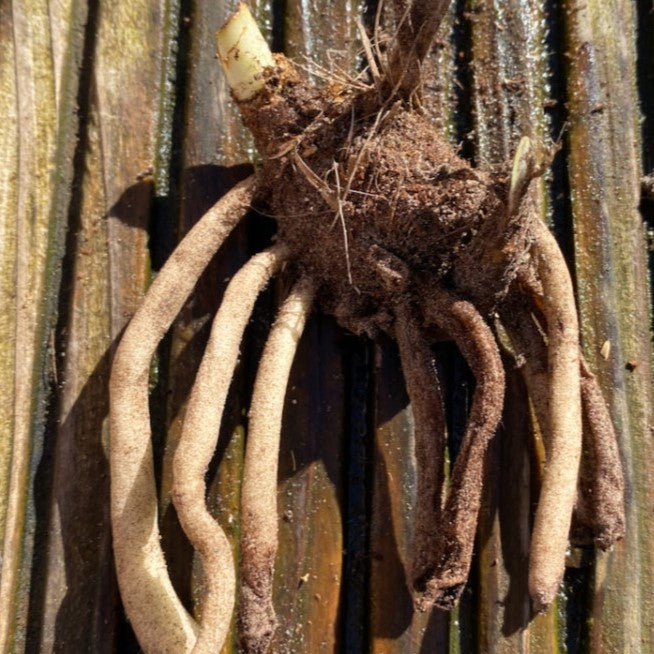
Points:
455	542
418	21
259	491
199	439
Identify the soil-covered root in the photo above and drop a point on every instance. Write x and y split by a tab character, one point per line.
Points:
160	621
476	342
199	439
430	437
559	488
600	506
259	491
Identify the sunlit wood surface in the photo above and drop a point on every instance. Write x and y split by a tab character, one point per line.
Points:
116	133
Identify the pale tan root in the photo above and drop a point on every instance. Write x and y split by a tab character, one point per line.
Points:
599	511
430	439
161	623
199	439
559	488
259	491
463	323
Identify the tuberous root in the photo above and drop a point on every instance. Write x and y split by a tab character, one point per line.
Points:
198	443
257	620
443	585
160	621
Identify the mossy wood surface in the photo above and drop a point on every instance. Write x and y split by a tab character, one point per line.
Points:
116	133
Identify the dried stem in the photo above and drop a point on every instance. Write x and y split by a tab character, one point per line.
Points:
259	491
417	29
199	439
158	617
462	322
430	437
559	488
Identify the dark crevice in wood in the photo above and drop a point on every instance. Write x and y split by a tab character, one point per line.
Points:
358	460
560	208
645	76
167	176
278	25
463	118
170	139
578	607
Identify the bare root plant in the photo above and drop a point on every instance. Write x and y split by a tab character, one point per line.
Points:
386	228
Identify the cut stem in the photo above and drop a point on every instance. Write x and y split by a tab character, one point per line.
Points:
243	53
198	443
160	621
259	492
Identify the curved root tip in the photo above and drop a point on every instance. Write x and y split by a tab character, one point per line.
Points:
441	591
444	597
542	594
257	624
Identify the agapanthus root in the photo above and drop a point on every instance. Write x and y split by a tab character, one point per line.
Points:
600	506
476	342
160	621
430	429
559	487
259	491
198	443
599	510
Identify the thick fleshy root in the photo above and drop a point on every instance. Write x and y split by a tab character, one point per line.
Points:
559	488
160	621
198	443
430	437
476	342
257	620
599	511
600	506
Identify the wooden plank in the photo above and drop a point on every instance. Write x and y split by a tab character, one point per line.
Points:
106	271
604	167
37	143
309	573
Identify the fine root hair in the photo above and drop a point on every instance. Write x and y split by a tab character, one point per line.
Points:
154	610
199	439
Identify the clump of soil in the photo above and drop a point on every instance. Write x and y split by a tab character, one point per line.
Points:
374	204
